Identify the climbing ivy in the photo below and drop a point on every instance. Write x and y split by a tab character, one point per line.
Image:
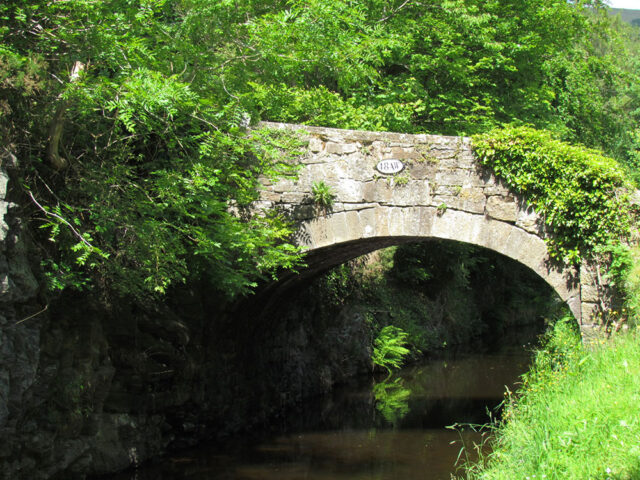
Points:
581	194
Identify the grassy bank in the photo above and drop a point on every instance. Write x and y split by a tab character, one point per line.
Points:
576	416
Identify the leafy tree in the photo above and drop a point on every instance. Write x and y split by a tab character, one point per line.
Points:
156	171
581	194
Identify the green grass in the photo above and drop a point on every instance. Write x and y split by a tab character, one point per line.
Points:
577	415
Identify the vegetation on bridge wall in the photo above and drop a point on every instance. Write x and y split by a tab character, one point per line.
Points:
582	195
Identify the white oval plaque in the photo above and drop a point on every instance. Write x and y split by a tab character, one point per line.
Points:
390	166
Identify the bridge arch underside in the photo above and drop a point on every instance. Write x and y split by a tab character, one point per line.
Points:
333	239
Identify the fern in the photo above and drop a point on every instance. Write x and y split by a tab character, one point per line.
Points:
388	349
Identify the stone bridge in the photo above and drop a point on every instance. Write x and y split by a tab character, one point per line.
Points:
392	188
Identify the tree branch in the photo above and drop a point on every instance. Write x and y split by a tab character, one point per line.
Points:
50	214
57	125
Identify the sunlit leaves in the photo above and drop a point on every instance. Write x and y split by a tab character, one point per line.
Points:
160	169
162	166
580	193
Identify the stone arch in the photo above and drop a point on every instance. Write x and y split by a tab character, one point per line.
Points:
441	191
333	239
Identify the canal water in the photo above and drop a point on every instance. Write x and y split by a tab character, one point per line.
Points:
398	428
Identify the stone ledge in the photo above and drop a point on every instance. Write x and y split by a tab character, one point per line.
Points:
367	136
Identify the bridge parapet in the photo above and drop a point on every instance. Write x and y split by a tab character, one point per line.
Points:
438	171
442	191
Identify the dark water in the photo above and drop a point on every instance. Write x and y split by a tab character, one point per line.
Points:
370	430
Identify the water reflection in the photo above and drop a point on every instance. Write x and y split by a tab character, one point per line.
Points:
392	399
394	429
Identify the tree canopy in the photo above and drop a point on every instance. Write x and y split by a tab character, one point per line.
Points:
127	115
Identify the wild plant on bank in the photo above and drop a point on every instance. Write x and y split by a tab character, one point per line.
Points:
576	416
388	349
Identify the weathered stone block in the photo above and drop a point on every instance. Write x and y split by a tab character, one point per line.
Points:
377	191
453	177
575	305
341	148
528	220
396	221
447	190
588	274
315	233
412	221
330	172
589	293
312	158
492	188
382	222
589	311
354	228
367	221
454	225
466	160
271	196
449	161
303	212
349	191
502	208
412	194
470	199
421	170
402	153
284	185
338	224
316	145
360	168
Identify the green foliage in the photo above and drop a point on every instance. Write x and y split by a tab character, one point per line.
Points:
322	194
438	292
457	68
575	417
561	347
400	180
183	227
160	169
442	208
436	263
388	348
624	273
336	285
580	193
632	288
